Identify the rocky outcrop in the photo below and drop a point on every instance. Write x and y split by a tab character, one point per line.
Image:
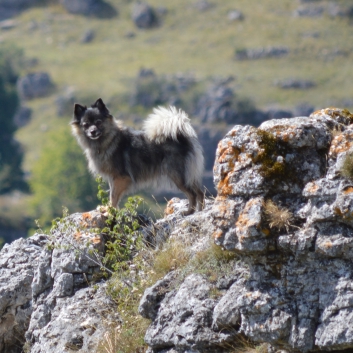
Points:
46	300
18	263
283	217
291	285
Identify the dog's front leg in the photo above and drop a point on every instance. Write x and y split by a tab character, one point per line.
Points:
118	187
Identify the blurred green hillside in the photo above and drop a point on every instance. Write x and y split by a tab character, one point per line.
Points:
200	43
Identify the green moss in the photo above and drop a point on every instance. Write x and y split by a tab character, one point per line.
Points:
271	168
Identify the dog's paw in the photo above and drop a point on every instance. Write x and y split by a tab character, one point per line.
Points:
188	212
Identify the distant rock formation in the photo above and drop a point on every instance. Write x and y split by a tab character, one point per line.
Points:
261	53
93	8
144	16
9	8
34	85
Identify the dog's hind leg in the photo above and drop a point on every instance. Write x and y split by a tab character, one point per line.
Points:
190	194
200	199
118	187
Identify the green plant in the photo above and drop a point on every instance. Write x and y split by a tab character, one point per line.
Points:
60	177
123	238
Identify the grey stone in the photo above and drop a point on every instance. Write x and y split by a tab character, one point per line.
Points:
18	262
144	16
94	8
22	116
310	10
261	53
291	83
293	287
235	15
34	85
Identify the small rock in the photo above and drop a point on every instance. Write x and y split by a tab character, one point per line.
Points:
22	116
8	24
34	85
309	11
203	5
144	16
291	83
235	15
88	36
261	53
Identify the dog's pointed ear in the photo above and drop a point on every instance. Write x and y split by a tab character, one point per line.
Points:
79	111
99	104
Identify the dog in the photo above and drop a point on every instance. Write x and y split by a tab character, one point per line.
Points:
166	151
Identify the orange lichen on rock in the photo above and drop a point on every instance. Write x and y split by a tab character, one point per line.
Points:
341	143
245	222
217	234
340	115
312	188
223	187
337	112
78	235
170	208
327	244
227	155
349	190
86	216
96	240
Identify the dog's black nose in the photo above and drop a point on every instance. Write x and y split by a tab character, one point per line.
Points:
94	132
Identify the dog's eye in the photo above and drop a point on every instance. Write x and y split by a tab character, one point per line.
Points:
98	122
85	125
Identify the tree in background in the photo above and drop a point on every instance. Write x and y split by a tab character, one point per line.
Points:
11	174
60	178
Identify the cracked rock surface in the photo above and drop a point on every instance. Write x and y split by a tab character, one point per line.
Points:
292	286
45	298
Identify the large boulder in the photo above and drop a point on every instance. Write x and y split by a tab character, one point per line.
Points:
93	8
46	300
290	285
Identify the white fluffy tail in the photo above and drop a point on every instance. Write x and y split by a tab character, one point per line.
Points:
166	123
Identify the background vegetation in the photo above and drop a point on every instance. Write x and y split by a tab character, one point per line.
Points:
188	41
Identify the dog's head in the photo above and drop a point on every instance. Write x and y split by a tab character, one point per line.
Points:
94	121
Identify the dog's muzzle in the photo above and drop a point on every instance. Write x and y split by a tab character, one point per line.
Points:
94	133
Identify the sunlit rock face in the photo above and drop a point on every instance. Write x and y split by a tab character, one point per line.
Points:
292	283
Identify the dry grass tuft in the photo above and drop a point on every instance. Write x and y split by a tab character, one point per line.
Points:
277	217
173	256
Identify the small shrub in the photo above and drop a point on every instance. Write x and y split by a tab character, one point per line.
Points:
277	217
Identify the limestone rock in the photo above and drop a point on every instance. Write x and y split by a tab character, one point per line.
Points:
18	263
291	286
